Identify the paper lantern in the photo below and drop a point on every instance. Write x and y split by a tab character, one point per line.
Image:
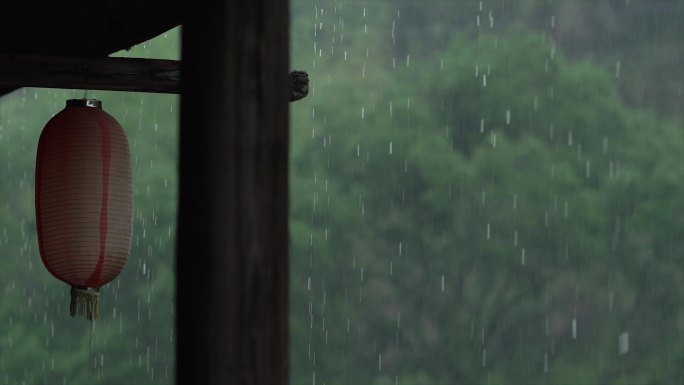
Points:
84	201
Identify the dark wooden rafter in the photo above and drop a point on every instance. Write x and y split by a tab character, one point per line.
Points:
83	28
110	73
92	29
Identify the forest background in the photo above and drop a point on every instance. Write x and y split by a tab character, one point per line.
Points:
482	192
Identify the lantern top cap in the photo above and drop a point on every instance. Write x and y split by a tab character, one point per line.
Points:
84	103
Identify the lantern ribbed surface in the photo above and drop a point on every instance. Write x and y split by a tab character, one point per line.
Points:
84	199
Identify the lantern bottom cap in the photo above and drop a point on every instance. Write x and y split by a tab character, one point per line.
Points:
85	302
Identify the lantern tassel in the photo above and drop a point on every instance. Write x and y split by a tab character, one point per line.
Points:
85	302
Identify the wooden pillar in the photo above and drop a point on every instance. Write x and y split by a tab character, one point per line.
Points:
232	251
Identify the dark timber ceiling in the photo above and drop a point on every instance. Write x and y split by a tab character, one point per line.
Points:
93	28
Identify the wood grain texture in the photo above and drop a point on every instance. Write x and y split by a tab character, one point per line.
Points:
111	73
232	252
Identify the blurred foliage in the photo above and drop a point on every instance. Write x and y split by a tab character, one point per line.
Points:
462	198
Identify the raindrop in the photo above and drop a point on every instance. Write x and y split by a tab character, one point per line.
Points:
623	343
587	169
515	238
393	38
522	257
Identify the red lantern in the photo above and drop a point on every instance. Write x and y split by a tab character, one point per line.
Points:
84	200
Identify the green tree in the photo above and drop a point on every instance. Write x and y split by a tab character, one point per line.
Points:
477	232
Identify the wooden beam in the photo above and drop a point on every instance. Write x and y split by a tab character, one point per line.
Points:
232	254
108	73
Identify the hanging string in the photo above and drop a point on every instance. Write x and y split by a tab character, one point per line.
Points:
87	87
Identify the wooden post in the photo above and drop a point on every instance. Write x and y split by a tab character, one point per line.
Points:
232	254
